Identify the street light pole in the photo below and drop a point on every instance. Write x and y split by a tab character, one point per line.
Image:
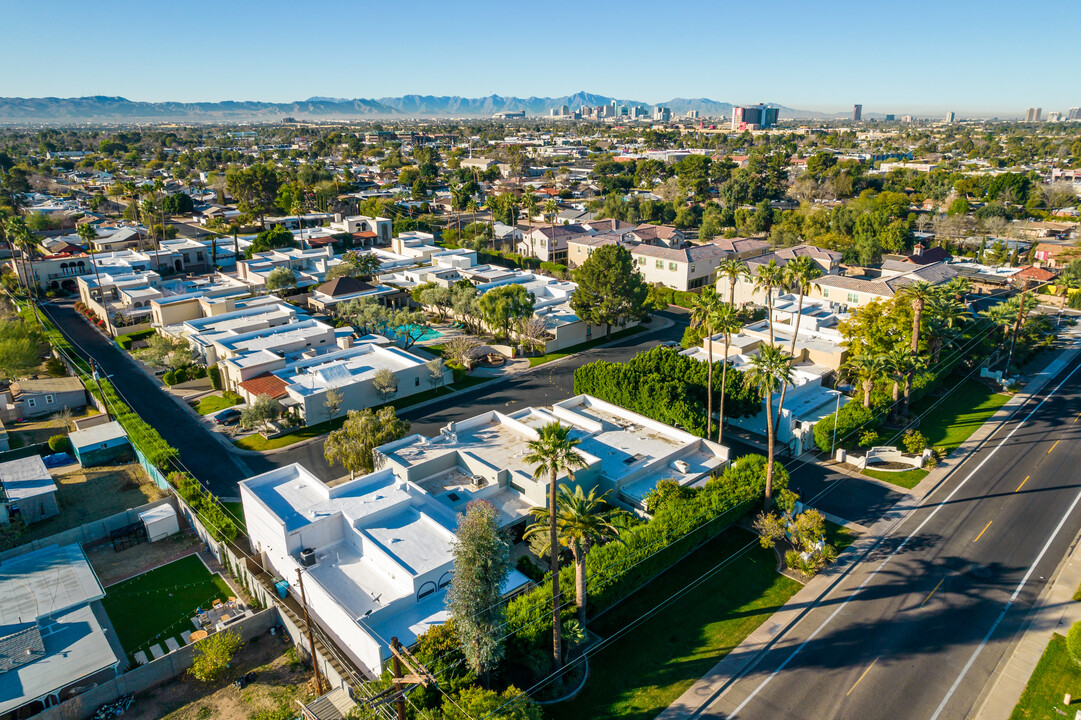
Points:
837	409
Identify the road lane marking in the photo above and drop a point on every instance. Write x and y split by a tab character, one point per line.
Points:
984	530
1077	418
1053	447
932	592
1023	482
861	677
938	506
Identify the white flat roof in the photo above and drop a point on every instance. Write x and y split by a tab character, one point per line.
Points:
44	582
26	478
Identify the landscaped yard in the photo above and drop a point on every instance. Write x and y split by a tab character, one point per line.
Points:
646	669
214	403
85	495
903	478
256	441
159	604
1055	675
540	360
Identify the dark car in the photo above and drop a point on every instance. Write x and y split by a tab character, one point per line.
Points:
227	417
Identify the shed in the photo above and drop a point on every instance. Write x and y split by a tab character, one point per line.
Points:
100	444
29	490
160	522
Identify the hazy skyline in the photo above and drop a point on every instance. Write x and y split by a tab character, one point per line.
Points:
919	57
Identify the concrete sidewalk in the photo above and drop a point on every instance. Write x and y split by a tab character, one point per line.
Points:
743	658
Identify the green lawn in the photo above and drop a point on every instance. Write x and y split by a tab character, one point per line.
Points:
646	669
959	415
256	441
903	478
214	403
839	536
540	360
1055	675
159	604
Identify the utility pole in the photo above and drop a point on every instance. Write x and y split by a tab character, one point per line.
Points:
311	638
97	381
395	648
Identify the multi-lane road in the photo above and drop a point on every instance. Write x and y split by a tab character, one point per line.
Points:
918	626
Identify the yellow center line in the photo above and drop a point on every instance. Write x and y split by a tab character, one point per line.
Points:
933	591
1077	418
1053	447
861	677
984	530
1023	482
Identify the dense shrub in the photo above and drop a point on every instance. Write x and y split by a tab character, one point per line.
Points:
853	420
59	444
666	386
688	518
197	372
169	378
209	509
914	442
126	341
215	377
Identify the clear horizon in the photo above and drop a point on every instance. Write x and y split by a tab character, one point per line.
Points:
922	59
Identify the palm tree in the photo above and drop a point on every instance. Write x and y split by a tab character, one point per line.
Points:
865	369
551	209
11	233
769	277
957	287
131	191
529	203
1067	282
769	372
946	313
473	209
732	268
920	293
582	521
553	452
897	363
87	233
20	236
800	273
727	322
704	308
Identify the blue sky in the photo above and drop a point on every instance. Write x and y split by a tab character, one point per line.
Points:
980	57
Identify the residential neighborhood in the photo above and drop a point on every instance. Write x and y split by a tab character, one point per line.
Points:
461	408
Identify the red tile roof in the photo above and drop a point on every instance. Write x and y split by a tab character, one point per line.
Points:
265	384
1034	273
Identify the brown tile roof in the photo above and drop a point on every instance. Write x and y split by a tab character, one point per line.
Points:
265	384
343	285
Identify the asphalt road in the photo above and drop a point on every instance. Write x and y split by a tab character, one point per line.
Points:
918	627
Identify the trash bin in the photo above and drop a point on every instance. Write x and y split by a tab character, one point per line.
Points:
282	586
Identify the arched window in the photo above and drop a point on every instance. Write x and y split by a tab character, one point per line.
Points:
425	590
445	580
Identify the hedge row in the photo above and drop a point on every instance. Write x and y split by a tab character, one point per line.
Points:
192	372
684	519
126	341
209	508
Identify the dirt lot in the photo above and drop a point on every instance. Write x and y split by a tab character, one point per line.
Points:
112	567
89	494
272	696
39	431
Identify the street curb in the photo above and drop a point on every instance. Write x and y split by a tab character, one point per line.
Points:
744	657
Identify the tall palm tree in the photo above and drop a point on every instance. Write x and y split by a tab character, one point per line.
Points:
553	452
957	287
529	203
897	364
800	274
732	268
473	207
728	322
22	237
582	521
11	232
551	209
865	369
1067	282
919	293
946	313
704	308
769	372
770	276
131	191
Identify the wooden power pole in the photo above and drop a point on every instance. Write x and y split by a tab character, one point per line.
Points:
311	638
395	647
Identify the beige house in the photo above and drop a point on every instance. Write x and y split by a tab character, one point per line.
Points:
683	269
828	261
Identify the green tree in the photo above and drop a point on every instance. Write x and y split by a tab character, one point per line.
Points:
213	655
476	702
731	268
332	402
280	278
705	307
919	293
385	383
503	305
553	453
727	323
481	565
352	446
582	521
770	277
865	369
255	189
260	413
270	239
610	288
21	348
770	371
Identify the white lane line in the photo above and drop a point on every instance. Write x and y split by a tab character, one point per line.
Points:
1001	615
904	542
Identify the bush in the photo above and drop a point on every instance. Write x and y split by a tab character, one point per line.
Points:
215	377
169	378
853	418
213	654
126	341
529	568
182	375
914	442
198	372
59	444
1073	642
869	438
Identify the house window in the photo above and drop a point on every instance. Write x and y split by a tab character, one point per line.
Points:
672	266
853	298
825	292
48	399
641	261
692	267
416	382
660	264
425	590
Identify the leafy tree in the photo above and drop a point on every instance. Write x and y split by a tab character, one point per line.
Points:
353	445
162	351
260	413
255	189
582	521
280	278
553	453
610	288
852	419
477	702
21	348
460	348
332	402
436	370
385	383
504	304
213	655
270	239
481	565
177	204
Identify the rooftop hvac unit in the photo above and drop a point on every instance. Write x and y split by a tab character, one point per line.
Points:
307	557
682	466
479	481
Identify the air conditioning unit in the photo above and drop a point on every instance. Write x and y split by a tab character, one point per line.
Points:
682	466
478	481
307	557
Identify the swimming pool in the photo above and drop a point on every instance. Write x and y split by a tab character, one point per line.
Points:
429	333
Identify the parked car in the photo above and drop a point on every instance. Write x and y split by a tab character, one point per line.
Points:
229	416
669	343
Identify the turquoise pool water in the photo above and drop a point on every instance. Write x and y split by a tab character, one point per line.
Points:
429	333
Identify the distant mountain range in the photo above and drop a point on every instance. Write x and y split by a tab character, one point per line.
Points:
103	109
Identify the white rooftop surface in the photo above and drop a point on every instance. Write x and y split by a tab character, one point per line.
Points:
345	367
275	337
26	478
97	434
44	582
624	445
75	647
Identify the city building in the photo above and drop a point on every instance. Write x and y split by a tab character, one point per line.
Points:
1074	113
1033	114
755	117
890	117
662	114
857	112
950	118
